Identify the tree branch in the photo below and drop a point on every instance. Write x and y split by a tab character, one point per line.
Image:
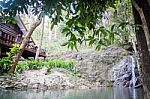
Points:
23	45
144	23
148	2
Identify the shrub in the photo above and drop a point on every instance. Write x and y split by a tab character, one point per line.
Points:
22	66
37	64
60	64
4	65
6	62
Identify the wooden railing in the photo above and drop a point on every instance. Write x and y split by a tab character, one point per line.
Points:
7	39
9	34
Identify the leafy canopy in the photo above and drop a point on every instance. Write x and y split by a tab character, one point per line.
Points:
82	17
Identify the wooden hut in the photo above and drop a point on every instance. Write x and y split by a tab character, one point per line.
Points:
11	34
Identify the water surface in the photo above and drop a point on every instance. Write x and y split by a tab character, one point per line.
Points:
101	93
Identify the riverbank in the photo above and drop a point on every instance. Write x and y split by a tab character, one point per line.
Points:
112	66
58	78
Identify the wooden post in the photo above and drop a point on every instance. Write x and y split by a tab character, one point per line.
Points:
41	40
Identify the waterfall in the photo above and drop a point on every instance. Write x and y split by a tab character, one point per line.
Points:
133	71
133	76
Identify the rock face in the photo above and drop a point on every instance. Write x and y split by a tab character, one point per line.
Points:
110	66
59	78
122	73
95	65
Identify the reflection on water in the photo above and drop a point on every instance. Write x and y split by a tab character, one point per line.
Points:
101	93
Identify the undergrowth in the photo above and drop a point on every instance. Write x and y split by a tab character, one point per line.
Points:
37	64
6	62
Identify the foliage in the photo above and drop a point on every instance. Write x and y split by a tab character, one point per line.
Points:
25	65
13	51
21	66
37	64
82	17
5	62
60	64
122	22
4	65
7	19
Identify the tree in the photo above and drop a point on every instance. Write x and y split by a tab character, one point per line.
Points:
41	39
142	19
122	22
84	15
23	45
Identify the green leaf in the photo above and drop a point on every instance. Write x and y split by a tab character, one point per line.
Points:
75	45
68	33
66	29
98	47
79	40
91	42
73	37
53	24
112	27
64	44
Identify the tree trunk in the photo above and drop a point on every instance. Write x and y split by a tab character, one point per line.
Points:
144	22
23	45
149	2
49	32
142	42
0	51
40	44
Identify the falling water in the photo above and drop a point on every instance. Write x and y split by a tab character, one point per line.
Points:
133	76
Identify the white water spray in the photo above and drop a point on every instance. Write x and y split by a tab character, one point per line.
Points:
133	76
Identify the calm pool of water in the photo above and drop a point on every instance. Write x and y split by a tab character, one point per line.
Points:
101	93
